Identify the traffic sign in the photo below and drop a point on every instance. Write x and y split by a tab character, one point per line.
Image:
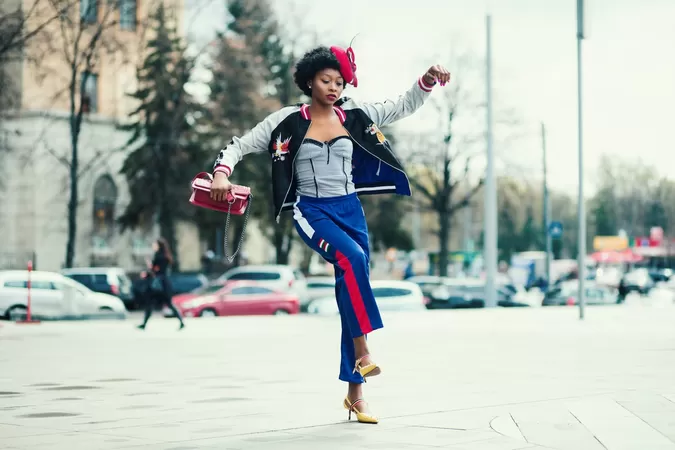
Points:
555	229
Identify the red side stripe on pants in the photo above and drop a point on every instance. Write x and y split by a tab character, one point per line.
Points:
354	293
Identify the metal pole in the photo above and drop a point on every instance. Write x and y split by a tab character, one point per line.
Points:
547	208
490	249
581	255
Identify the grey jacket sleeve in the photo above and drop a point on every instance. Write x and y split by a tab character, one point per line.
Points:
389	111
255	141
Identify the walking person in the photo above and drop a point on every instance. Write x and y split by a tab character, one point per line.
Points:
323	155
158	285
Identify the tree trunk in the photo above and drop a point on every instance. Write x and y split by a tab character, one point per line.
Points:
283	240
444	241
166	219
73	197
75	127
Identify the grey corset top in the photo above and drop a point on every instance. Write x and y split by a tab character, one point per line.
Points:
324	169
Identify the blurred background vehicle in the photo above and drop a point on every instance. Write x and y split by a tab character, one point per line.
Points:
567	293
279	277
234	298
106	280
391	295
317	287
54	296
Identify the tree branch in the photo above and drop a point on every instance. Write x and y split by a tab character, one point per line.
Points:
466	199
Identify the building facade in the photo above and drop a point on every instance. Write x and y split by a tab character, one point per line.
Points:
36	141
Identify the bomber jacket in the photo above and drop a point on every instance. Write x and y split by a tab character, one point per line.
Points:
376	169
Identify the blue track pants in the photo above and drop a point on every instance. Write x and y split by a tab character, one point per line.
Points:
335	227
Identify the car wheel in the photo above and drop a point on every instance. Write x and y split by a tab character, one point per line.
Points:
106	309
16	312
280	312
208	312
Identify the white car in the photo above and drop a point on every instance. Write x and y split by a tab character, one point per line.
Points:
53	296
391	295
318	287
275	276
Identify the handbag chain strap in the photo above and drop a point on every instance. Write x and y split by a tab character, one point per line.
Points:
243	230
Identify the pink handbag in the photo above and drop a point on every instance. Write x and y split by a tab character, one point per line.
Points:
238	202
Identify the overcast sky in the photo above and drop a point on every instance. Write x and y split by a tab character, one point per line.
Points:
628	68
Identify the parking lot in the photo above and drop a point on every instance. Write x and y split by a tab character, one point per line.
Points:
523	378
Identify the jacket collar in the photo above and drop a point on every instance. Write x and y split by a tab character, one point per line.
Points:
304	112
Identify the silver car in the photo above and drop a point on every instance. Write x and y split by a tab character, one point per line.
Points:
53	296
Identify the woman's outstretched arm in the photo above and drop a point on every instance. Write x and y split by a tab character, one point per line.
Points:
389	111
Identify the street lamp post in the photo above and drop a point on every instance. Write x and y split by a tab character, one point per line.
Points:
581	254
490	246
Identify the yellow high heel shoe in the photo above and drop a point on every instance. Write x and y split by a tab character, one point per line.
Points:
370	370
361	417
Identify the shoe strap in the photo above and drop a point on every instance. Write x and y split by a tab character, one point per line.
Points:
356	402
357	364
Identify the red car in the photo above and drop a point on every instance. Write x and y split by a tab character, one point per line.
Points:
235	298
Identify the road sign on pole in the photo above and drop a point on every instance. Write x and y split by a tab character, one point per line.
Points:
555	229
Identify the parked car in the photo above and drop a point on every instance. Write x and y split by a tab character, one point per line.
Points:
427	283
568	294
391	295
639	280
53	296
470	293
235	298
183	282
317	287
276	276
106	280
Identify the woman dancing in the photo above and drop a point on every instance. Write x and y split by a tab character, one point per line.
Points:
323	155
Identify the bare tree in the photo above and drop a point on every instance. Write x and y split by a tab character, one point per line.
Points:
447	167
81	37
20	25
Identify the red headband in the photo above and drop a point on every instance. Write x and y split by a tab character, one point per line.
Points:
347	66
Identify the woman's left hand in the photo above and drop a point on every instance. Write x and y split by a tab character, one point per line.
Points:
437	73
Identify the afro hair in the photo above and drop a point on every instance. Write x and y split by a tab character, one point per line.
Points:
314	61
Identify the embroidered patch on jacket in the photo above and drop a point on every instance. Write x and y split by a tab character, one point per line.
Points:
374	130
323	245
280	148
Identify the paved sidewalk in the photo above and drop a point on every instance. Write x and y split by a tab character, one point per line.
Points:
502	379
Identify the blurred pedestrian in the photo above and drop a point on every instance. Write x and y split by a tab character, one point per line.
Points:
322	154
158	285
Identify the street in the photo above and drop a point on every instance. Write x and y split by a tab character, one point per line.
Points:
492	379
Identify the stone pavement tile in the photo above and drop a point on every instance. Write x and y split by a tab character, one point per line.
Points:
498	443
253	440
469	419
616	427
350	433
552	424
290	441
73	441
12	431
655	410
429	436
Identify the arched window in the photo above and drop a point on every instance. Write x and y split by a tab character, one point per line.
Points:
105	197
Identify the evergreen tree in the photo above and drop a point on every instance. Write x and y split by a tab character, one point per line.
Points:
166	155
252	78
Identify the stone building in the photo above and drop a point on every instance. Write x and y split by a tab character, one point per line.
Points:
36	148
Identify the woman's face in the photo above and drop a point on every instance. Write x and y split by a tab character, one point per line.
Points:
327	86
155	246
